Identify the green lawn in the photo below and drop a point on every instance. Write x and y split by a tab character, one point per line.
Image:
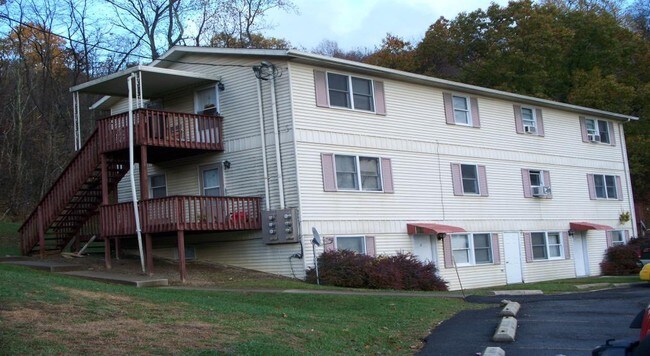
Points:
562	285
49	313
9	240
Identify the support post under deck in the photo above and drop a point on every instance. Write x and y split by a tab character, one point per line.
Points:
107	253
41	232
181	255
149	251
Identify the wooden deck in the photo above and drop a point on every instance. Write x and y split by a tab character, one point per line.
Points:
182	213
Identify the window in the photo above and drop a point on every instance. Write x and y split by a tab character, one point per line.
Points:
358	173
605	186
157	186
617	238
597	130
528	119
211	181
469	176
360	97
461	110
352	243
471	249
546	245
205	101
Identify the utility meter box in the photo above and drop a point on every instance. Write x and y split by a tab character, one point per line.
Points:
280	226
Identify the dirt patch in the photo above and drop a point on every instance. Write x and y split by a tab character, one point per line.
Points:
93	295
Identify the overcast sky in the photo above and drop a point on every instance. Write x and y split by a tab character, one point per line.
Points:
364	23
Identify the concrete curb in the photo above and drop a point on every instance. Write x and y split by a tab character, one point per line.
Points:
493	351
137	281
518	292
48	266
506	330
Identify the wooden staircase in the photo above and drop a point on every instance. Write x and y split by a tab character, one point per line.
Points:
71	206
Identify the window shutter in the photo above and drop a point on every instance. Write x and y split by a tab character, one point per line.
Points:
540	122
380	100
592	186
329	172
328	244
496	256
519	125
547	182
525	177
449	108
320	83
608	237
565	242
387	175
456	179
482	181
446	249
370	246
528	244
619	188
583	129
626	234
476	118
612	137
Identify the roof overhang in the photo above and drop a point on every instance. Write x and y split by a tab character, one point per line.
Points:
584	226
155	82
432	229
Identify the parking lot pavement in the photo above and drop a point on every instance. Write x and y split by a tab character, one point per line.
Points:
567	324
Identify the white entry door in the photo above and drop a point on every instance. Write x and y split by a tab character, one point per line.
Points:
512	252
580	254
425	249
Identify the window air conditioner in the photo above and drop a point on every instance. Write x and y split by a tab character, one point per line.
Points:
593	137
538	191
546	190
530	129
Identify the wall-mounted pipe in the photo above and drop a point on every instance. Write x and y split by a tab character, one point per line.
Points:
134	196
263	137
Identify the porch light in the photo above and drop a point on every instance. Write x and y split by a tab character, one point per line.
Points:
226	164
441	235
571	233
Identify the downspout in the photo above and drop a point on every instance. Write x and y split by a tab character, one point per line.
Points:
263	136
628	179
278	161
134	196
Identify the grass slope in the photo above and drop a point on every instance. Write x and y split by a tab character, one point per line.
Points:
9	240
47	313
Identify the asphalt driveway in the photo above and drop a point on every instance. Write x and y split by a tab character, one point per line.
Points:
568	324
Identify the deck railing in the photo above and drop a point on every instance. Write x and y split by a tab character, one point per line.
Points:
188	213
163	129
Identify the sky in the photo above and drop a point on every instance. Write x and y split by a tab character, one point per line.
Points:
363	23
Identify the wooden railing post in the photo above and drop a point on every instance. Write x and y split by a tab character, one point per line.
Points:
41	232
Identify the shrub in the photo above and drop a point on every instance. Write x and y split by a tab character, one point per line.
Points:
401	271
620	260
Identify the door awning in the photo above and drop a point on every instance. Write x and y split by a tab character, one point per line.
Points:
431	229
584	226
155	81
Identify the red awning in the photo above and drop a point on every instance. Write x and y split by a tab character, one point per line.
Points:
430	228
584	226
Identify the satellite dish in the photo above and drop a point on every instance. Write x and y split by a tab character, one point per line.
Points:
316	240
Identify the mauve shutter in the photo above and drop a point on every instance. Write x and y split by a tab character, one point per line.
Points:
476	118
612	137
328	244
565	242
627	235
608	238
519	125
370	246
496	256
380	100
320	83
583	129
387	175
619	188
329	174
547	182
592	186
482	181
456	179
525	178
540	122
446	249
449	108
528	247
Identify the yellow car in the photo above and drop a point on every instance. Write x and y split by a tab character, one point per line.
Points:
645	273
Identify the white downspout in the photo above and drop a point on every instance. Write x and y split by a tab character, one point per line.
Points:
134	196
278	161
263	136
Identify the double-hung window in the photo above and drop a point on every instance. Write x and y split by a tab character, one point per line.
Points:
528	120
546	245
605	186
350	92
469	174
462	114
358	173
351	243
157	186
469	179
472	249
598	130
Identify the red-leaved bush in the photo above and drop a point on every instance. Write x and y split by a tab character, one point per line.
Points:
402	271
620	261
